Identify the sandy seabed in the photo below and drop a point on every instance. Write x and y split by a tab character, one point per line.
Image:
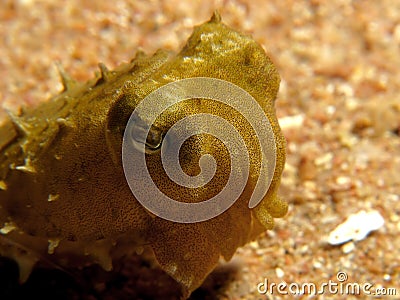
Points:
339	108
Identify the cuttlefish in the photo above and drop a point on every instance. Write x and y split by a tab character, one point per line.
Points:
64	195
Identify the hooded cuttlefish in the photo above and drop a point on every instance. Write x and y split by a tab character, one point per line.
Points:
63	194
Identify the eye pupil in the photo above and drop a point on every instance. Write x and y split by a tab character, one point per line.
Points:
154	139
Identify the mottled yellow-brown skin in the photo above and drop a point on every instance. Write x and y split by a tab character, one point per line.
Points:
63	194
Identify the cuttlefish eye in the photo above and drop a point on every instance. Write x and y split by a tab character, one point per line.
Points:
151	138
154	139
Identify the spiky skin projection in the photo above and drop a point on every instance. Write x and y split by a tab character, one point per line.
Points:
63	195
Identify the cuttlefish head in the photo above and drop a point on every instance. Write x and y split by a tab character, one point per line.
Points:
192	151
207	143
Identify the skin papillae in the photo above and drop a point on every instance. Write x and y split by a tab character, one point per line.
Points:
63	194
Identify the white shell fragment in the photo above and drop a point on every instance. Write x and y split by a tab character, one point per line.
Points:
356	227
291	121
